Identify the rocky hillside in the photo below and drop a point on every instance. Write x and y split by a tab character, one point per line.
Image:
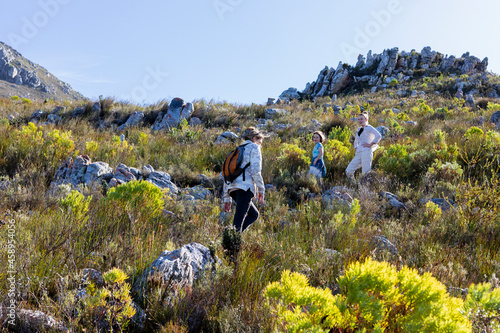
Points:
23	78
393	68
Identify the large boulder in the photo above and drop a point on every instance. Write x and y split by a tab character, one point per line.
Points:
176	269
495	117
290	93
72	172
162	180
135	119
177	111
95	171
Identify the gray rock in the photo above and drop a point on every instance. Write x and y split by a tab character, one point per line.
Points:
401	93
177	269
384	131
223	141
230	135
146	170
290	93
335	197
469	99
163	181
36	116
135	119
340	80
199	192
95	171
382	243
414	93
35	321
77	112
427	56
72	172
273	113
393	200
495	117
177	111
123	174
54	119
388	61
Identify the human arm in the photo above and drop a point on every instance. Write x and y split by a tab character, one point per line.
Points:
255	171
226	199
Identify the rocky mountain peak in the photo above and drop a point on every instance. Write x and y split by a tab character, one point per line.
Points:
375	71
19	76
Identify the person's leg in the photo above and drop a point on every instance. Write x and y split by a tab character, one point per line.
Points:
366	161
243	200
353	166
252	216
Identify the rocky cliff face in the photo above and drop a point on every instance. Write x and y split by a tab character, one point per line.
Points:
375	70
21	77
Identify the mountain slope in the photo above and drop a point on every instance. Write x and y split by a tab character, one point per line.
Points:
21	77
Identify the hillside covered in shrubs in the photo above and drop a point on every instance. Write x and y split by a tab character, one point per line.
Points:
111	216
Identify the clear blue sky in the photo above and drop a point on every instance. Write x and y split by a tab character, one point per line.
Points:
240	51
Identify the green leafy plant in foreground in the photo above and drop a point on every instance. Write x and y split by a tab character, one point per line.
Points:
373	297
110	306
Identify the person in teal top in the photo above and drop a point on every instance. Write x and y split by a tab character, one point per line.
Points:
317	167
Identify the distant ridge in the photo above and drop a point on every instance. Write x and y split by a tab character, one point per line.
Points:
376	71
21	77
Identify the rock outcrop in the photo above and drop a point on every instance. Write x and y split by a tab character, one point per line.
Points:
23	78
83	172
390	64
177	111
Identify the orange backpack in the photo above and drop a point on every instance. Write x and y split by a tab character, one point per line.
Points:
231	168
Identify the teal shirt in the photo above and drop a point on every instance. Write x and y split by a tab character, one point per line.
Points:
316	151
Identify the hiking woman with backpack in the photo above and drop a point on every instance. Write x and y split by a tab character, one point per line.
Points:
248	184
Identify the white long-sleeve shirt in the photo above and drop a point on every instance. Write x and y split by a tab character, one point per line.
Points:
369	135
253	177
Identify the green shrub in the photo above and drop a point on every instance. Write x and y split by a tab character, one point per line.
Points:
374	297
14	98
395	160
77	206
141	200
108	307
482	306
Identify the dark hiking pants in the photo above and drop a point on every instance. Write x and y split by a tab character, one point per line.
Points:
246	212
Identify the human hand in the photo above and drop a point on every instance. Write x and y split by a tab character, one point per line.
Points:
368	145
227	207
260	198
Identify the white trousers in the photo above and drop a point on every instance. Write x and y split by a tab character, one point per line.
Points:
362	159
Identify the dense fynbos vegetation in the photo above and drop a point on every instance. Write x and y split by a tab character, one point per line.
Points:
435	148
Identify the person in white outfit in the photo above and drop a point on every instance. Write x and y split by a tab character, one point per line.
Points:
365	143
